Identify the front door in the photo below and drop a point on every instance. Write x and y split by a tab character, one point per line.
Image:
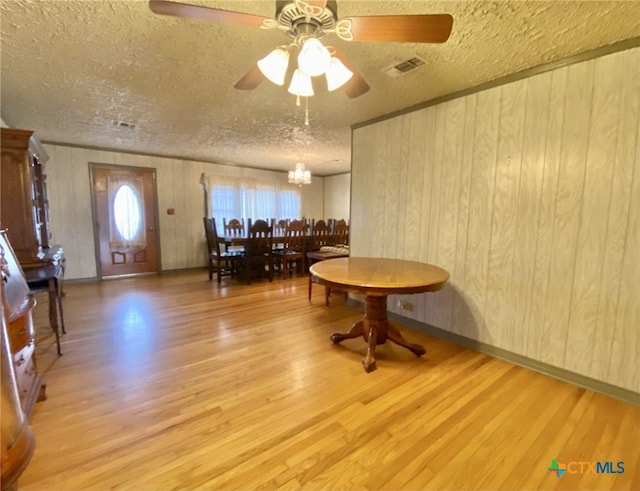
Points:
125	215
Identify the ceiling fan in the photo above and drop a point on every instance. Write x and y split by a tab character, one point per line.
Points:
306	22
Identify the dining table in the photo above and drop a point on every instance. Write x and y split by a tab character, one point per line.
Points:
231	240
377	278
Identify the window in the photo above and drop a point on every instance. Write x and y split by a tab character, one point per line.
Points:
126	210
126	213
229	197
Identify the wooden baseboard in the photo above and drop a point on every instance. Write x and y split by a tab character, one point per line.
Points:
583	381
577	379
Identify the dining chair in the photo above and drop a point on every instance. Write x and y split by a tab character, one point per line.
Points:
323	238
279	230
258	251
234	228
223	263
294	248
319	235
340	232
280	226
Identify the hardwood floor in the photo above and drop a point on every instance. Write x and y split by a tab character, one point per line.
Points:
174	382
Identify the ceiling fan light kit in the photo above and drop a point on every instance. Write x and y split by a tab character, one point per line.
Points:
308	21
300	84
314	58
274	65
337	74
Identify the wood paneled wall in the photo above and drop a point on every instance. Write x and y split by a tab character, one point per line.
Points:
528	194
182	241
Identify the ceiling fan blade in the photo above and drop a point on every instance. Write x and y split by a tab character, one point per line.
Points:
357	85
251	80
430	28
176	9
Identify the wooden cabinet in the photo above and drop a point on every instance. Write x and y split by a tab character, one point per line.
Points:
17	305
24	207
20	381
18	442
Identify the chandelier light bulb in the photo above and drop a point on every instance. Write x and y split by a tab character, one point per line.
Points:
314	58
300	175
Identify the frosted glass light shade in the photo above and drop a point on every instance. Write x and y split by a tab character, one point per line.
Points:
299	176
300	84
314	58
274	65
337	74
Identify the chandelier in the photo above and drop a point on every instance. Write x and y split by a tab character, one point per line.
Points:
300	175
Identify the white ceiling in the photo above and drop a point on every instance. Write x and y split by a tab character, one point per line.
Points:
71	67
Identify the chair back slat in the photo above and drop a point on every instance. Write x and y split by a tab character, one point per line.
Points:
280	227
341	232
320	235
234	227
295	237
259	239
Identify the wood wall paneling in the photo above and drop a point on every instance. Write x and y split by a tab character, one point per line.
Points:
392	211
501	290
534	137
482	188
624	365
461	317
583	353
539	330
414	169
566	220
529	198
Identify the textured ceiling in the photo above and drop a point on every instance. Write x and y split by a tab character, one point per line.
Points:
71	67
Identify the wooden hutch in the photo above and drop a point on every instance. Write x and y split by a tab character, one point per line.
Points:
24	207
29	262
24	213
21	384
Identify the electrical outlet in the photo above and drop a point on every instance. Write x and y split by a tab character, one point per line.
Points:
404	305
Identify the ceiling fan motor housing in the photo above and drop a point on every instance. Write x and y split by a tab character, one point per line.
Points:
297	23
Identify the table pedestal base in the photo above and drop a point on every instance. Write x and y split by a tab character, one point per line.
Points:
376	329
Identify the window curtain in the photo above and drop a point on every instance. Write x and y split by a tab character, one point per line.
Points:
126	212
241	197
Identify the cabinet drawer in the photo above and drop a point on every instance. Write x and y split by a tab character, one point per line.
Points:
21	332
26	375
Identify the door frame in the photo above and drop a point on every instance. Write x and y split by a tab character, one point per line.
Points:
94	214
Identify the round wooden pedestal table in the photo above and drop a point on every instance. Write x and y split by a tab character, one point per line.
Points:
377	278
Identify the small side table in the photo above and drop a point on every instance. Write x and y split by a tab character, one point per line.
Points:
49	278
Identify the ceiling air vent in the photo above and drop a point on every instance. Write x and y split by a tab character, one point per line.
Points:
122	124
404	67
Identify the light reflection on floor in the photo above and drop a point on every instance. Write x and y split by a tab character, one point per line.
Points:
136	329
